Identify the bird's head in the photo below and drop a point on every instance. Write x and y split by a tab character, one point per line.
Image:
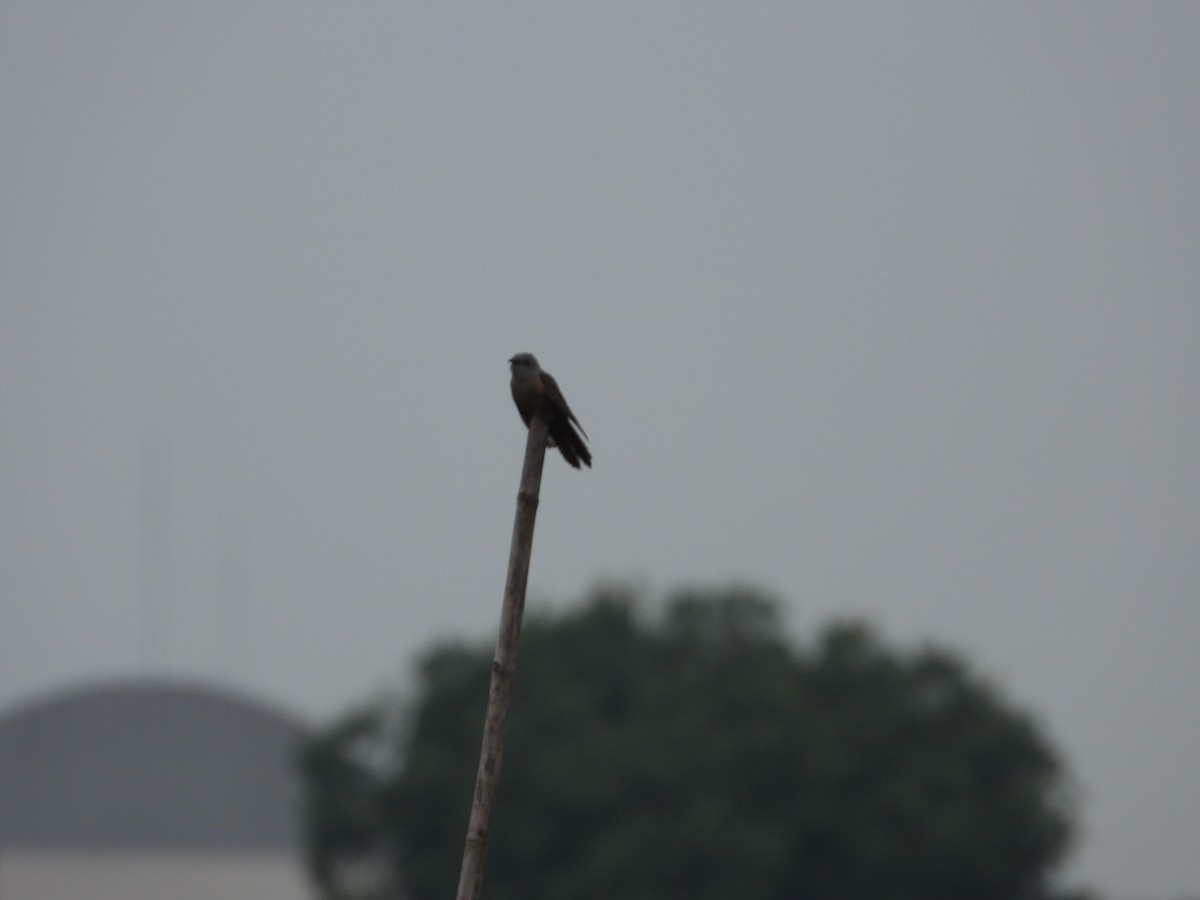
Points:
524	363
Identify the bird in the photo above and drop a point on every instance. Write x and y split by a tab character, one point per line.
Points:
537	395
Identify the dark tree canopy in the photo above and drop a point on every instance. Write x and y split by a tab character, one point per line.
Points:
698	754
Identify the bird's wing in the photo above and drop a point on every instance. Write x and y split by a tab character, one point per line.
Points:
555	396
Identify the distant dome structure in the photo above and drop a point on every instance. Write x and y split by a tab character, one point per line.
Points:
150	767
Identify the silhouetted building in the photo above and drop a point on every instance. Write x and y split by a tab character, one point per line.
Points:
150	790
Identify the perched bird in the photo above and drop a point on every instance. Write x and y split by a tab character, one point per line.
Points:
537	395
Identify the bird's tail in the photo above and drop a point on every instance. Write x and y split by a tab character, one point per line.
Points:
572	447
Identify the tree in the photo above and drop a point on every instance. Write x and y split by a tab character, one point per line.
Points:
701	754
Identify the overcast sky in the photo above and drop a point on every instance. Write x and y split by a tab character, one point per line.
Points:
891	309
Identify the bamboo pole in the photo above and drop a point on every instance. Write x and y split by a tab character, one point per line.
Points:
504	664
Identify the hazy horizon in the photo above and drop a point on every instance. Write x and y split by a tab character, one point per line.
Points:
890	310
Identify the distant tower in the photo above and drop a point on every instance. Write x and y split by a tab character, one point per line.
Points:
232	594
155	552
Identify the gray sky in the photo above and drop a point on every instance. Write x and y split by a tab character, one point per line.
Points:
892	309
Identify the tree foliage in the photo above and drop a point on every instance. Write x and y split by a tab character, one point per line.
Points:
699	754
